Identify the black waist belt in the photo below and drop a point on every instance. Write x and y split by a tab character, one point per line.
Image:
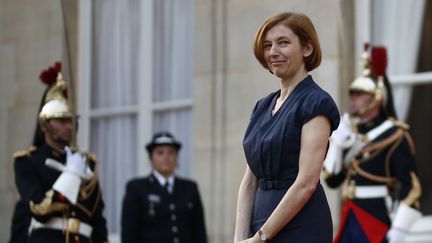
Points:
264	184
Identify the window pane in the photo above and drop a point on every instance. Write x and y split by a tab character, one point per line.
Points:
114	141
179	123
173	42
115	56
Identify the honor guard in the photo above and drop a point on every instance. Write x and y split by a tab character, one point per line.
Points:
372	155
58	185
21	215
162	207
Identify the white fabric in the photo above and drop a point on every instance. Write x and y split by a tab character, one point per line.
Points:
162	180
68	184
116	64
60	224
75	161
333	160
54	164
396	236
376	132
397	24
371	191
116	31
405	217
173	72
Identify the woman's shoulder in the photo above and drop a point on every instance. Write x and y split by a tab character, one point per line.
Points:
317	94
317	101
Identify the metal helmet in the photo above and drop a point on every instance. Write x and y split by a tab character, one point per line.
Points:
372	80
56	104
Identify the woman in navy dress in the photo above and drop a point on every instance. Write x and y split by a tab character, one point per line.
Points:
280	197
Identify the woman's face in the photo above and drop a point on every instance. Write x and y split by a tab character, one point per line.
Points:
164	159
283	52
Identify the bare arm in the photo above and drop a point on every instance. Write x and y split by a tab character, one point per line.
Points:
245	201
314	139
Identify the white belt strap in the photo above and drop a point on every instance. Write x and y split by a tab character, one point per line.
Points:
363	192
71	224
374	133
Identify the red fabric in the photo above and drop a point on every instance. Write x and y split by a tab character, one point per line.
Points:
60	197
374	229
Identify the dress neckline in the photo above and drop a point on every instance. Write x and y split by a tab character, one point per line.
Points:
286	100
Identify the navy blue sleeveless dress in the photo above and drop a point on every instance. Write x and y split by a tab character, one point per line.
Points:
272	149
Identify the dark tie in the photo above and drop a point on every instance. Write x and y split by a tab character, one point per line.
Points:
166	186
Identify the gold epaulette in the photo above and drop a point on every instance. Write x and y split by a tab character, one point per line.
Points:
400	124
25	152
91	156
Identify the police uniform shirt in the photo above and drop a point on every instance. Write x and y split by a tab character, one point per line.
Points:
151	213
167	183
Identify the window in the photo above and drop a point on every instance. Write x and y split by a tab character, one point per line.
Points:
135	78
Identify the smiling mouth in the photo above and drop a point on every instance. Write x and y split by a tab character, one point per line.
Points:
277	63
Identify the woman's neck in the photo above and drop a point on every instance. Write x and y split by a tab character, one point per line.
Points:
288	84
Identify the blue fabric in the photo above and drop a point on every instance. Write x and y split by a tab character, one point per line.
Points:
272	143
353	232
312	224
272	149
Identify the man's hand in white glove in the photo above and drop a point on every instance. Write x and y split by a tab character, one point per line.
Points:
396	236
75	161
343	136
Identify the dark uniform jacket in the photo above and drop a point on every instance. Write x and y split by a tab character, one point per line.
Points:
151	214
35	180
20	223
388	161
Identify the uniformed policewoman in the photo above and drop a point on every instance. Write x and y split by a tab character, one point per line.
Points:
162	207
280	197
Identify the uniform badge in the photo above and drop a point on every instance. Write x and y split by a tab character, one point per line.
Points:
153	199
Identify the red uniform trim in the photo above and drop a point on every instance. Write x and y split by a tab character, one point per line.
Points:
374	229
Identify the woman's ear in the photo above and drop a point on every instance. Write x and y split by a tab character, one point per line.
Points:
308	49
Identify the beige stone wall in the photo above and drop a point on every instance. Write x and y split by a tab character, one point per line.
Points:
227	83
31	38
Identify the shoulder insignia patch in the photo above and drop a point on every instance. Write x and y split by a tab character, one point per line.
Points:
25	152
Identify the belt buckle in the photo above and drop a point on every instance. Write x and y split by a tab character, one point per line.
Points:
349	189
73	225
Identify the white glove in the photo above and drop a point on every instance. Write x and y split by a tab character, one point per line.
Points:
75	161
343	136
396	236
69	181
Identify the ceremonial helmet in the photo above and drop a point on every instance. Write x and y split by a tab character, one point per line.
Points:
56	104
374	79
54	100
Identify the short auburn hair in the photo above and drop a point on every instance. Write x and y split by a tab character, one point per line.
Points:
302	26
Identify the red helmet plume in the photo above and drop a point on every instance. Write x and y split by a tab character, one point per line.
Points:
379	60
49	75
